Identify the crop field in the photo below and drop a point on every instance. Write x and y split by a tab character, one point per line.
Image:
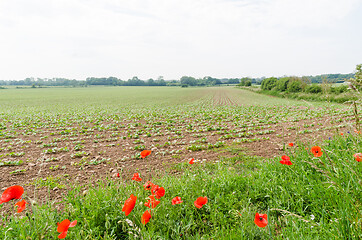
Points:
94	132
52	138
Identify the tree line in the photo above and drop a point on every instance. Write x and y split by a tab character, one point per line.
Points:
184	81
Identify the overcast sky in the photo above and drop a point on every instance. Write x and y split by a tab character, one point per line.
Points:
173	38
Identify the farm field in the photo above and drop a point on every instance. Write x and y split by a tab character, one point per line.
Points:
90	133
53	138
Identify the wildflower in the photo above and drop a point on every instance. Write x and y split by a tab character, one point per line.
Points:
317	151
145	153
152	202
261	220
13	192
148	185
129	204
64	226
358	157
176	200
191	161
286	160
136	177
160	192
200	201
146	217
341	134
21	205
291	144
118	175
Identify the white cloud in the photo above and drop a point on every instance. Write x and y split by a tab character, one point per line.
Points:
80	38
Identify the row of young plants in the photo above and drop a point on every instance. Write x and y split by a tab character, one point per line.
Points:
77	134
308	193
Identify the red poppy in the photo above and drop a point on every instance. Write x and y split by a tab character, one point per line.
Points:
148	185
146	217
341	134
21	205
64	226
291	144
317	151
13	192
358	157
261	220
145	153
192	161
152	202
129	204
160	192
118	175
286	160
136	177
200	201
176	200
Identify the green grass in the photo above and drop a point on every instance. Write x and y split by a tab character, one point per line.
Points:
315	198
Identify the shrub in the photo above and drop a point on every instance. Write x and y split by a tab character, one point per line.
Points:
294	86
268	83
314	88
282	84
339	89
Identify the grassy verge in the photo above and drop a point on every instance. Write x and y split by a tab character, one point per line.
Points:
317	97
315	198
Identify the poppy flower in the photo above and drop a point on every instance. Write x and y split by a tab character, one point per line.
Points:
152	202
286	160
129	204
148	185
192	161
176	200
291	144
160	192
118	175
13	192
136	177
200	201
358	157
261	220
21	205
341	134
146	217
145	153
317	151
64	226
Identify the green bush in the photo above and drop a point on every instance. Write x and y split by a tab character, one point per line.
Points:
268	83
294	86
339	89
314	88
282	84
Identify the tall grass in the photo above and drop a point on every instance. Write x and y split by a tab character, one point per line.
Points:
315	198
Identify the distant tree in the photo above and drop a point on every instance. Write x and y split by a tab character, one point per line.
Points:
190	81
357	80
233	81
313	88
268	83
150	82
282	84
294	86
